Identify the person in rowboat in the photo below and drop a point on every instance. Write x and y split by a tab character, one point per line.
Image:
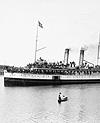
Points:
59	96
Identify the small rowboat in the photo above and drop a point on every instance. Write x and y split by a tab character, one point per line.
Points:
62	100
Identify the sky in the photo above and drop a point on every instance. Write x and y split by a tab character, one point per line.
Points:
66	24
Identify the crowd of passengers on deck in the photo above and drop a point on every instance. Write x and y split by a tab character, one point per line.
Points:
43	67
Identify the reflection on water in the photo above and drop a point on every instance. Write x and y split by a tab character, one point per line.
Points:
39	104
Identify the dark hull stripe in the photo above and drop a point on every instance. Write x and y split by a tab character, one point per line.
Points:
33	82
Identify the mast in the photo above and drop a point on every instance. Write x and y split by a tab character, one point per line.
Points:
98	50
39	24
36	43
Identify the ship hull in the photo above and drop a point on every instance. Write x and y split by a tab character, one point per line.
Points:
34	80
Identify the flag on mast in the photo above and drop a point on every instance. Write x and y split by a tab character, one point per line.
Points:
40	24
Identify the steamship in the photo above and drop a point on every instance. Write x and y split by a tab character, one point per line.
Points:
56	76
61	74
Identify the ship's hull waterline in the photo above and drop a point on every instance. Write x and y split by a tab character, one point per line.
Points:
25	79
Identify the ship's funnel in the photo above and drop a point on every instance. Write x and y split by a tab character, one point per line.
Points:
66	55
81	57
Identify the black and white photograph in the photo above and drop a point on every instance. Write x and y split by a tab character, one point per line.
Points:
49	61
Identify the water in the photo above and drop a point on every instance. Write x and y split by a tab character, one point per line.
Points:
39	104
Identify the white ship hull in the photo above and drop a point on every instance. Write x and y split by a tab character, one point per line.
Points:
28	79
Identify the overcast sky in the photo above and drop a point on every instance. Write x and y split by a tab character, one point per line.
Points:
66	24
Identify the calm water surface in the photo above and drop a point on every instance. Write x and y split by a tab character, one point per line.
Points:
39	104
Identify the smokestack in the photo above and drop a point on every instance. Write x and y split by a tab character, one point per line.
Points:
81	57
66	55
